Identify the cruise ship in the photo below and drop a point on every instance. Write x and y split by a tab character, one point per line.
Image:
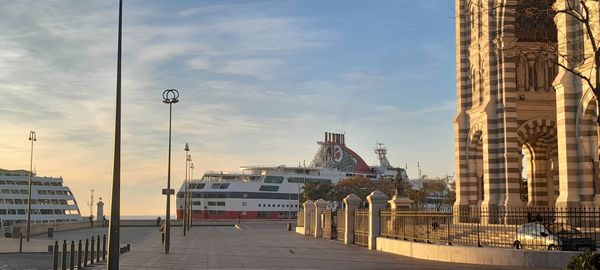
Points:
51	200
267	192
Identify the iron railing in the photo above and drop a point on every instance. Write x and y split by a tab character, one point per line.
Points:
361	227
300	218
542	228
341	225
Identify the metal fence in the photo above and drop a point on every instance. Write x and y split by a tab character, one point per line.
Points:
328	225
341	225
361	227
300	218
520	227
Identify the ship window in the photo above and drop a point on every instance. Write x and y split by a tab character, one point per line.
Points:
2	211
18	201
42	192
220	203
21	211
46	211
51	192
259	205
179	194
25	201
10	182
244	204
37	183
35	211
47	184
268	188
212	203
196	203
63	201
21	183
220	186
278	205
245	195
23	191
5	191
54	201
273	179
9	201
269	205
12	211
14	191
58	212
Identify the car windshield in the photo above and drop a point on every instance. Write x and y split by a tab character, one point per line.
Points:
561	228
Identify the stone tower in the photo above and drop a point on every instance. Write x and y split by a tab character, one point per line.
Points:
521	121
525	131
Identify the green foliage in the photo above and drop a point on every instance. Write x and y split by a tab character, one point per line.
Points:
585	261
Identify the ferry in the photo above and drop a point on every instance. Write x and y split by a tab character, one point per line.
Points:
51	200
272	192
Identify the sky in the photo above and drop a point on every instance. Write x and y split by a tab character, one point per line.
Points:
259	81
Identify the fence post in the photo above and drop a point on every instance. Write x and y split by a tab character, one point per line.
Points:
79	255
63	263
377	200
85	254
351	202
92	251
308	210
98	248
320	205
55	256
20	242
72	256
104	247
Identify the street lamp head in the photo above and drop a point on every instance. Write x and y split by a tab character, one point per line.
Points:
32	136
170	96
189	157
192	165
187	147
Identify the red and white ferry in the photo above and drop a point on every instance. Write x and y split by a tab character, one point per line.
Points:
263	192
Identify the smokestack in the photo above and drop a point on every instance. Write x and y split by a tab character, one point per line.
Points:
338	138
343	139
325	136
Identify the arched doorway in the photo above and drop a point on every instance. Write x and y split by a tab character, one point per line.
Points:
539	152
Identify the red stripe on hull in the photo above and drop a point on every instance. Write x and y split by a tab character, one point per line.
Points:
204	214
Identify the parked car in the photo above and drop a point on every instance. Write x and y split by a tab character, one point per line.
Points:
552	236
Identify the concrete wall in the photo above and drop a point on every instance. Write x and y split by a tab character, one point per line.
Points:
475	255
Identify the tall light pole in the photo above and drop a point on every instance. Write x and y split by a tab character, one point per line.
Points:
187	193
115	203
190	197
32	138
170	96
185	189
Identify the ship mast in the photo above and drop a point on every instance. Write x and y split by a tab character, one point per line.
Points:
381	152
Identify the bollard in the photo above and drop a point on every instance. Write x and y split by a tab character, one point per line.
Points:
55	256
85	254
104	247
72	256
20	242
79	255
63	262
92	251
97	248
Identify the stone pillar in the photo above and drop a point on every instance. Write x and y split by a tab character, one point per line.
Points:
398	203
320	205
351	202
377	200
308	210
100	211
568	94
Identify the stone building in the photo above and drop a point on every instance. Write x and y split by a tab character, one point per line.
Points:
519	114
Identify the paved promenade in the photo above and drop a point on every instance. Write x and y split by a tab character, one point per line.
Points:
256	246
265	246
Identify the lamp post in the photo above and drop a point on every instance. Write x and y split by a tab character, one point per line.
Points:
190	197
185	190
187	193
115	203
32	138
170	96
